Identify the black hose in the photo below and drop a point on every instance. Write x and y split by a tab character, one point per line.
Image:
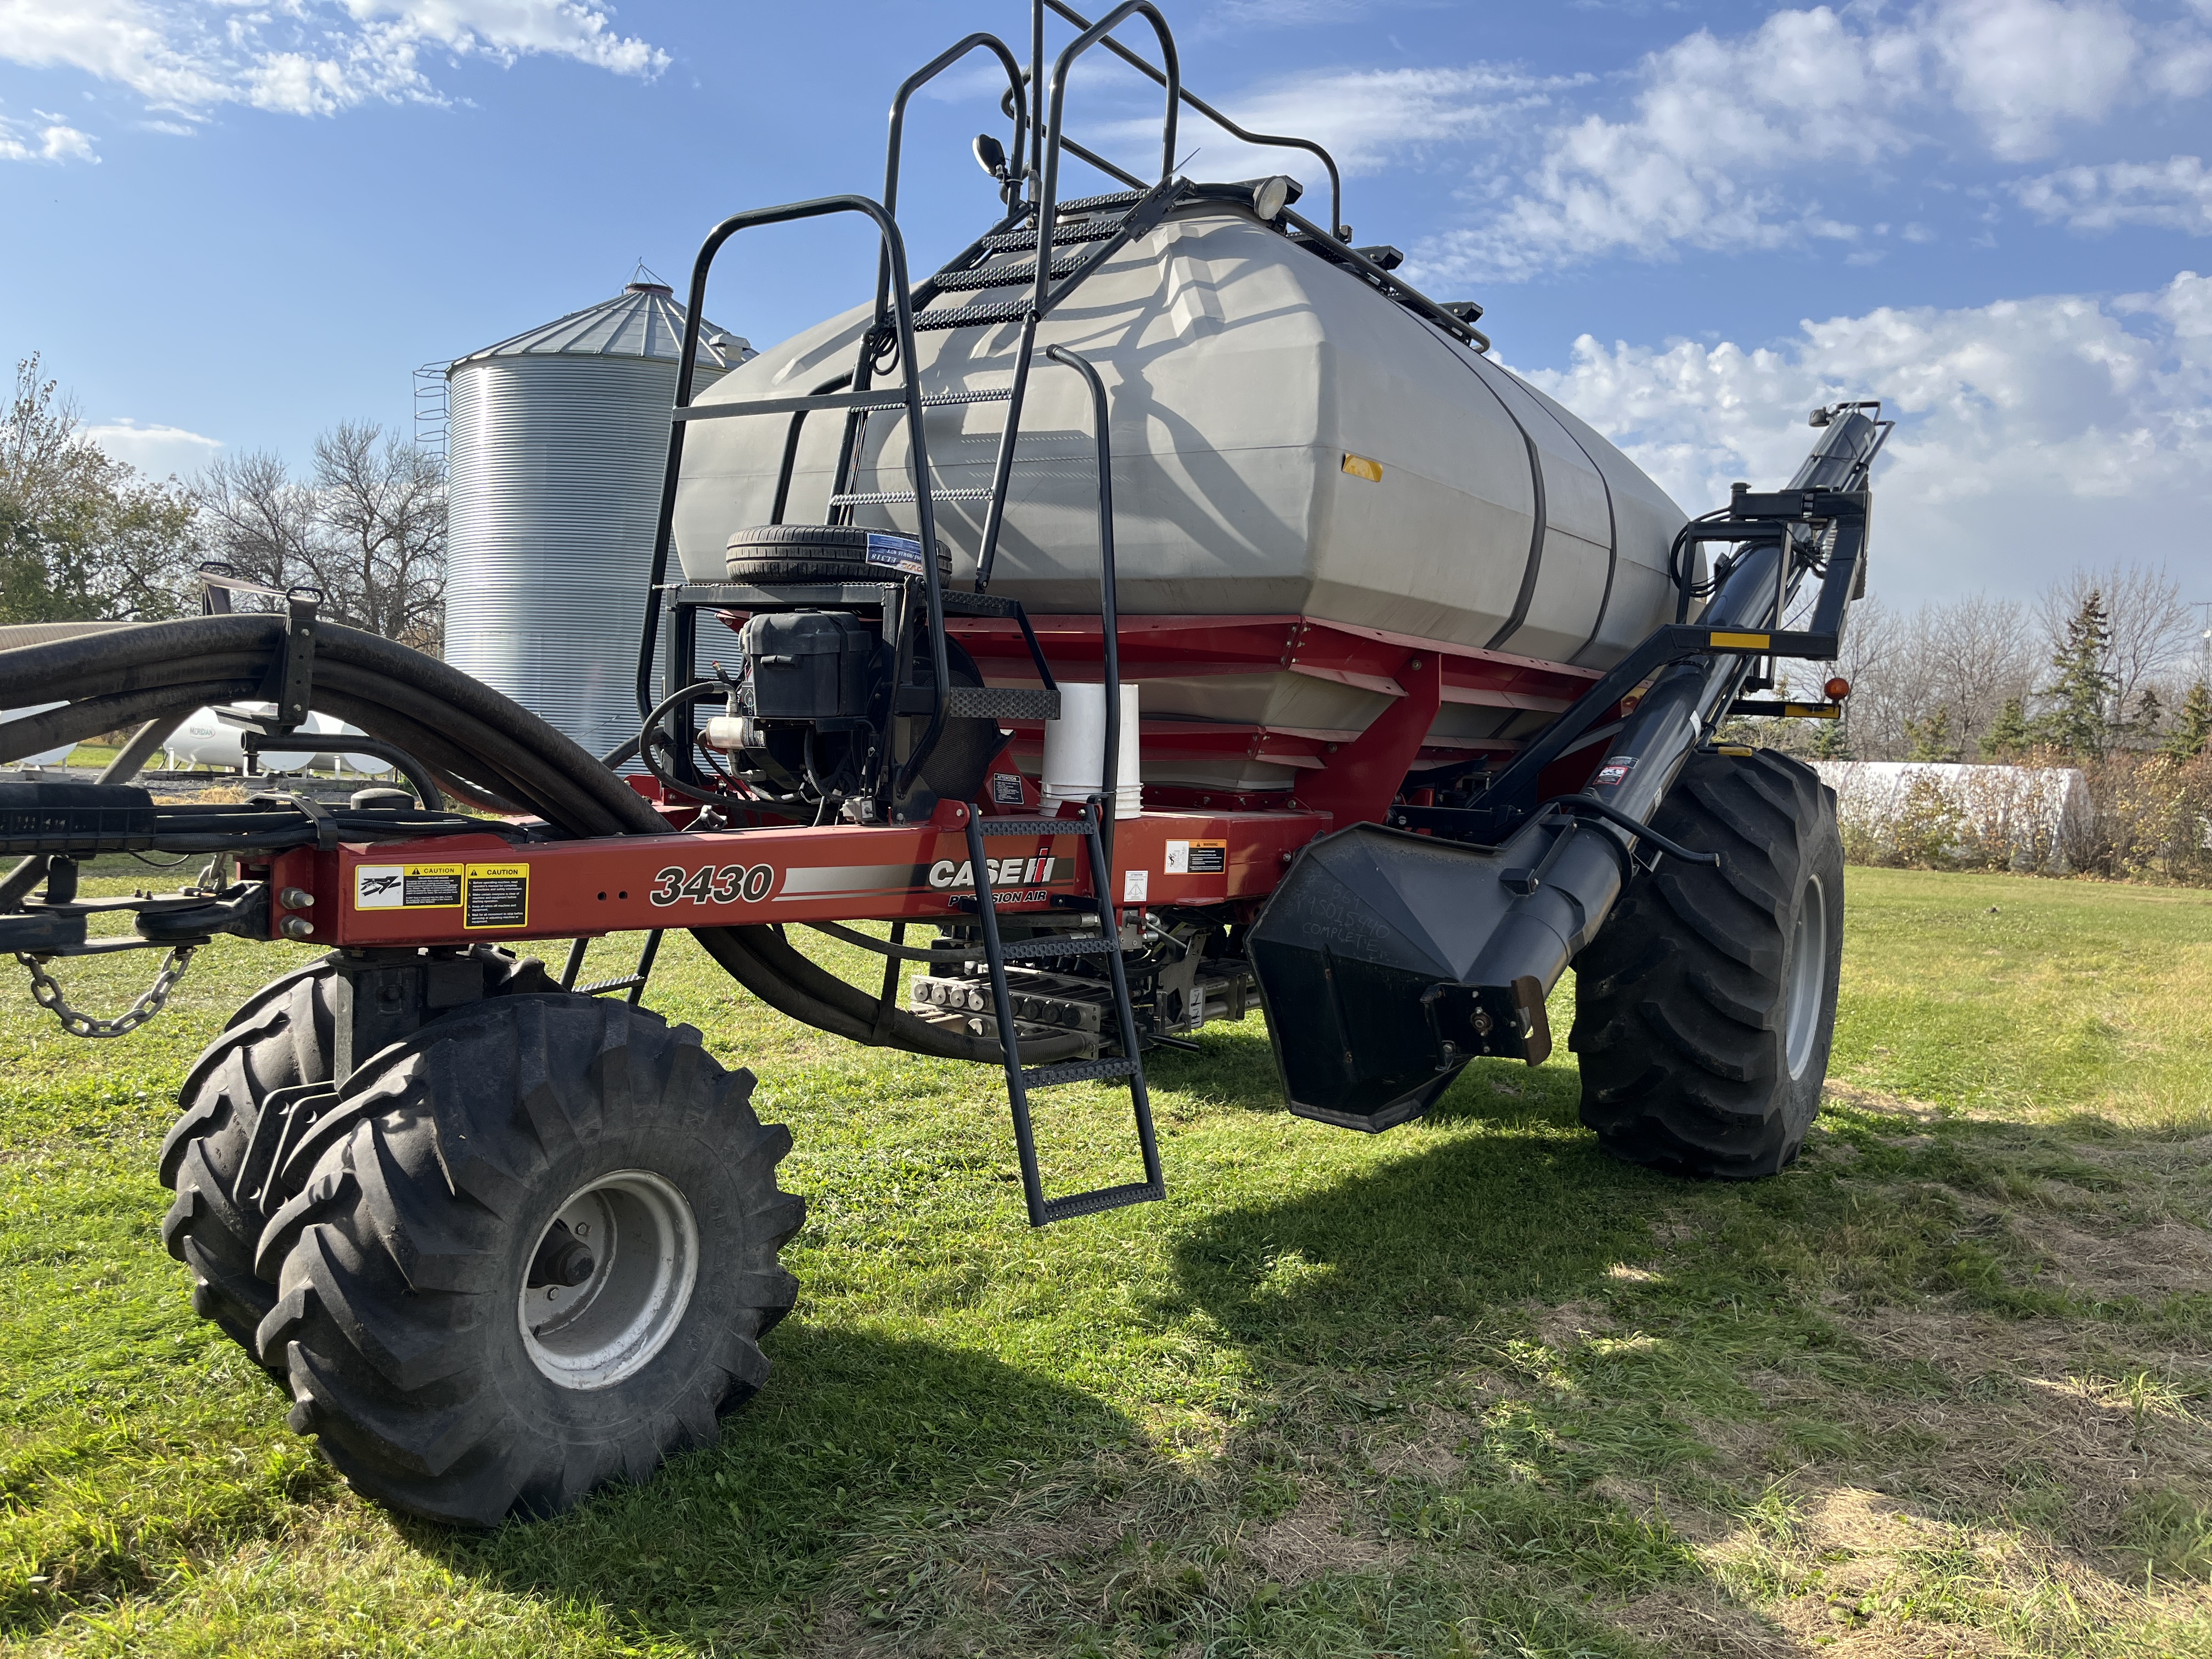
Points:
460	727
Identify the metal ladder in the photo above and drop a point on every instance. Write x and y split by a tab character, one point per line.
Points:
1095	825
1021	1080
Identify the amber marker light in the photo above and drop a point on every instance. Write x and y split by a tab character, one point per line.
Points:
1837	689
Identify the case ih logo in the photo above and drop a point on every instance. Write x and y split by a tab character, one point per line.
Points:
1004	872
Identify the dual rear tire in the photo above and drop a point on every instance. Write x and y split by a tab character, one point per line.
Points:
531	1249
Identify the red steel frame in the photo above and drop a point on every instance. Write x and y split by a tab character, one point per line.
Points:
467	889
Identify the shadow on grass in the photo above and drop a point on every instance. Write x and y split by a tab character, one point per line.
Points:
1396	1263
856	1434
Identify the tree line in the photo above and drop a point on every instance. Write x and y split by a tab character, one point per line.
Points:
2106	662
84	536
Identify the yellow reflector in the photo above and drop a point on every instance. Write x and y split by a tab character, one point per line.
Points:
1360	467
1811	711
1734	751
1740	642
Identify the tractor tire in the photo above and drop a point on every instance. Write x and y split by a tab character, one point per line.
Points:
541	1260
813	553
1705	1006
282	1038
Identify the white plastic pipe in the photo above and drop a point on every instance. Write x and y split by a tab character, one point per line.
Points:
1075	746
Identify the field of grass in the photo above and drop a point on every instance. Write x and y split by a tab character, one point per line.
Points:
1467	1387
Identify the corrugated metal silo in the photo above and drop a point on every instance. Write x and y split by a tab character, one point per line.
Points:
556	441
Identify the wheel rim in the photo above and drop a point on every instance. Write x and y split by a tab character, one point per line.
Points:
643	1243
1809	976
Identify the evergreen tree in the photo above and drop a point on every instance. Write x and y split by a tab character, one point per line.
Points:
2192	727
1831	741
2077	722
1931	737
2150	712
2008	734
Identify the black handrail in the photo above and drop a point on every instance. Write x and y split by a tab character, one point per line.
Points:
1049	184
1341	231
913	83
917	454
1109	606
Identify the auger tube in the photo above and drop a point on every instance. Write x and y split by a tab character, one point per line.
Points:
1388	959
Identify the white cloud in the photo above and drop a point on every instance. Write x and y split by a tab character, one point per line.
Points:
2021	69
303	57
1727	140
53	140
2173	195
1367	118
2033	434
154	449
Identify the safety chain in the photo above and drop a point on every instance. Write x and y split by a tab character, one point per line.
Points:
47	991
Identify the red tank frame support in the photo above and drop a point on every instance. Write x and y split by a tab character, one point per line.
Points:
464	889
1189	847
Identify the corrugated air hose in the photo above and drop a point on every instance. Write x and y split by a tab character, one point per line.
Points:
487	752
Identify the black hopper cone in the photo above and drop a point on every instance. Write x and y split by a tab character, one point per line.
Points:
1363	956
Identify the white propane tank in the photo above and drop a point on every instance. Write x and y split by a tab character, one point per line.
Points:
1075	748
206	739
1286	442
45	756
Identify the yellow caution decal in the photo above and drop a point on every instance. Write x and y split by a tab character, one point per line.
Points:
496	896
1741	641
1360	467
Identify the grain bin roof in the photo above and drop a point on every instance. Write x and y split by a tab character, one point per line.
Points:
643	320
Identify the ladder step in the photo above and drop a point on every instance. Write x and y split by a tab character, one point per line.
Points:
1020	275
1076	1071
845	400
600	987
905	497
1033	826
1106	1198
1002	311
1120	198
1007	703
1024	242
1081	944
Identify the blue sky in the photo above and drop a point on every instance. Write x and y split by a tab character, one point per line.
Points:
235	223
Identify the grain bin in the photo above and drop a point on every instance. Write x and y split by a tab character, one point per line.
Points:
556	443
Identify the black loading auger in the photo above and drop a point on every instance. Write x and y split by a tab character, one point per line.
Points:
1392	956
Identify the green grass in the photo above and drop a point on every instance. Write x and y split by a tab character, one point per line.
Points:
1467	1387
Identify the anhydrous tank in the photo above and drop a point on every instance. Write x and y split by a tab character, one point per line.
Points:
557	443
1243	372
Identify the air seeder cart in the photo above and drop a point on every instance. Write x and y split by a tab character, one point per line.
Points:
1428	676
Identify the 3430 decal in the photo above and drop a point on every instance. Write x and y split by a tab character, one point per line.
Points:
711	884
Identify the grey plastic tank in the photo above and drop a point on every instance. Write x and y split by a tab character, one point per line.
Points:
1247	378
557	442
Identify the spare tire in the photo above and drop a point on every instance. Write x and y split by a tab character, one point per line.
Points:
823	553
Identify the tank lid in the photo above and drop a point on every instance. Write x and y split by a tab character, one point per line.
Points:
644	320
